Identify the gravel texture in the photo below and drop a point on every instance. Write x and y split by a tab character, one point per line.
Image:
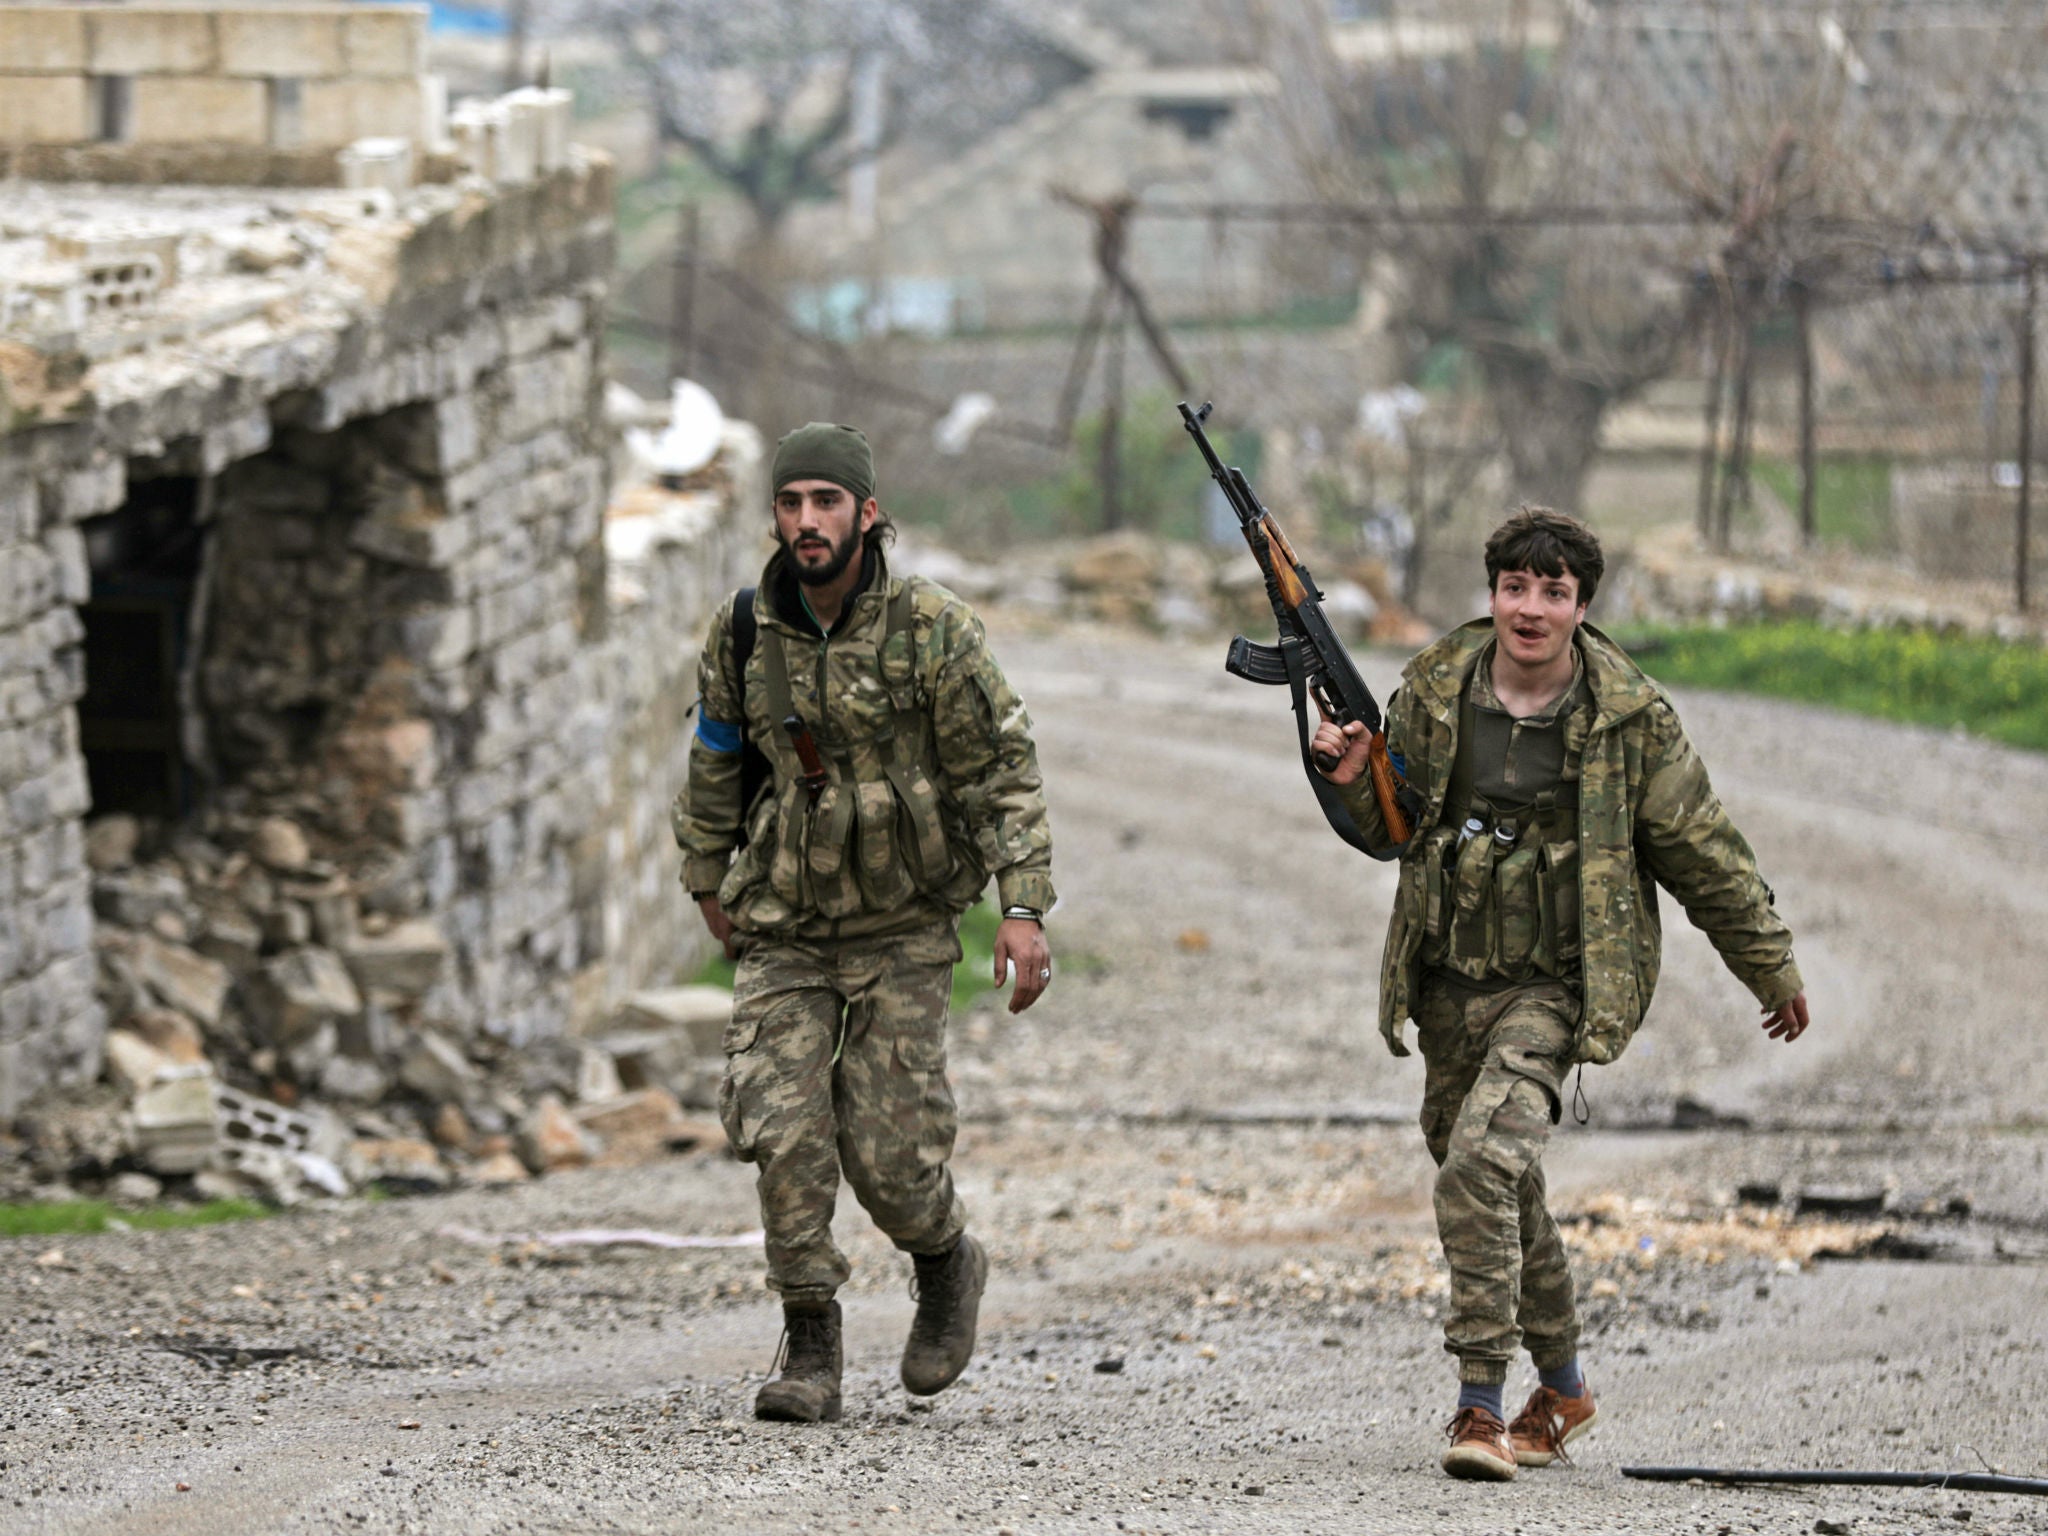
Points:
1216	1300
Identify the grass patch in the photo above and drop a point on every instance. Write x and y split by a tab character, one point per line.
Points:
715	972
62	1217
970	976
977	953
1986	687
1852	499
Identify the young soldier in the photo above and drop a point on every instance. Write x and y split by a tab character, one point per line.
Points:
1558	790
843	904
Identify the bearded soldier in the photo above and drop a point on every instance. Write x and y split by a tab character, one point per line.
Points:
1558	791
900	776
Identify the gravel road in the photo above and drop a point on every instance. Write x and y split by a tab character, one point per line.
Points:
1216	1302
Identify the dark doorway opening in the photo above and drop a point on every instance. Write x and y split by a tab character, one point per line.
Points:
145	567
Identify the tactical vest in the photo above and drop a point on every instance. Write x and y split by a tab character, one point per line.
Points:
1503	863
874	837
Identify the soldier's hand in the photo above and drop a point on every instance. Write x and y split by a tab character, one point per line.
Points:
719	924
1346	743
1787	1021
1021	942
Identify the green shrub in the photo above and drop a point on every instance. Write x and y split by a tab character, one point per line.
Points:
1987	687
61	1217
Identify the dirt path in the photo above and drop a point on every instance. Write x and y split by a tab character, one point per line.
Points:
1194	1159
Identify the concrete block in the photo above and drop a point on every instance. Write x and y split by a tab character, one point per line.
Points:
541	122
294	44
129	40
517	148
385	163
174	1123
475	128
188	982
182	110
386	40
44	109
698	1014
337	112
33	41
408	958
294	995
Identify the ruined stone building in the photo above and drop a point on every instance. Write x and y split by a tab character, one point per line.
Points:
303	570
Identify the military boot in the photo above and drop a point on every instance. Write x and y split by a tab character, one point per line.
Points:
948	1291
807	1390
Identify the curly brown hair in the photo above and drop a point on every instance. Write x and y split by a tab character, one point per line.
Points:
1548	543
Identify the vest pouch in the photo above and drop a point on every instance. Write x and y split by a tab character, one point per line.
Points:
834	890
1515	910
1558	902
792	809
921	830
1432	851
1470	916
885	880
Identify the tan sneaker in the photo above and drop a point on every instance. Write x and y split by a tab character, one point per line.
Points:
1549	1422
1479	1447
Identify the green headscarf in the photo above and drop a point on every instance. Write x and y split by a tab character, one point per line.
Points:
818	450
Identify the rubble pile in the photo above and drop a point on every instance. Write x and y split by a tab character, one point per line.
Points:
279	1027
1135	580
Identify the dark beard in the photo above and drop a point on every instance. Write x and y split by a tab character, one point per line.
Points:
824	575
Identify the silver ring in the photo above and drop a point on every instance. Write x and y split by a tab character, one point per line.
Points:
1046	974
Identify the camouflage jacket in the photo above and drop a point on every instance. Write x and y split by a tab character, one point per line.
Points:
933	781
1647	817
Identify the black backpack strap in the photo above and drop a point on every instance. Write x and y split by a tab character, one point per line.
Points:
742	644
755	769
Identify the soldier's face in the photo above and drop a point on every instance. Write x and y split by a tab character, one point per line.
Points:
1535	615
821	526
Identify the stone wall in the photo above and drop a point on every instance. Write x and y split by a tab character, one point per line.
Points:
404	634
50	1024
674	557
298	77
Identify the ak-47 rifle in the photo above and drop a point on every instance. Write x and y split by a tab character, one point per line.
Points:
1309	659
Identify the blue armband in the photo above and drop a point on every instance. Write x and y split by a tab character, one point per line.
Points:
717	735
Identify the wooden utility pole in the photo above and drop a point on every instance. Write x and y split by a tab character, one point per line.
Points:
1809	467
1735	470
1109	460
2025	511
1710	446
1117	299
682	335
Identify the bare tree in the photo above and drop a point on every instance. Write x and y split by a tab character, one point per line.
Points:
781	99
1814	140
1449	119
1784	137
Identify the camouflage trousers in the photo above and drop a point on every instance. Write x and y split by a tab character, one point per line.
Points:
835	1062
1496	1063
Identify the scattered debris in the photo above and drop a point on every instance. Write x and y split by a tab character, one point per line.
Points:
248	978
231	1357
601	1237
1841	1202
1691	1114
